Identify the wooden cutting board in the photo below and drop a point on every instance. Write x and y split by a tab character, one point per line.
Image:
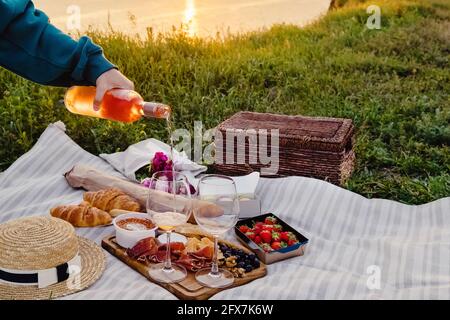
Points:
188	289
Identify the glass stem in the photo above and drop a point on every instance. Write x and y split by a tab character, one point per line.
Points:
168	261
215	264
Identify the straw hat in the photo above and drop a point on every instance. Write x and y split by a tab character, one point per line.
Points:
43	258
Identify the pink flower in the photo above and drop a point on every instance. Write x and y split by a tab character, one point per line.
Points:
159	162
147	182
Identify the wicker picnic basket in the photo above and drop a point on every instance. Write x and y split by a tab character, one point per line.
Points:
307	146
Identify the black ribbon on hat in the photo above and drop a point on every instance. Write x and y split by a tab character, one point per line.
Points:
31	278
62	272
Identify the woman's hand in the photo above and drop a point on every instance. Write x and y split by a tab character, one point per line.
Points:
111	79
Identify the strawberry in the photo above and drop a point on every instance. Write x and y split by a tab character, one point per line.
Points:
258	224
291	242
284	236
277	227
244	229
257	227
257	240
276	245
283	244
250	234
266	247
275	236
256	230
266	236
267	227
270	220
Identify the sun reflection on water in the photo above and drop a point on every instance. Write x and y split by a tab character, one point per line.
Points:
189	18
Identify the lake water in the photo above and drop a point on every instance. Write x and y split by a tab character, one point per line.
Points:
198	17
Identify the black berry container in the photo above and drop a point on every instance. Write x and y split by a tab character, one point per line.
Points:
295	250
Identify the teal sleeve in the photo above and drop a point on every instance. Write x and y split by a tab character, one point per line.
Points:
34	49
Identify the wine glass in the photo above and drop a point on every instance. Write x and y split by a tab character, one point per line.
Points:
168	205
216	210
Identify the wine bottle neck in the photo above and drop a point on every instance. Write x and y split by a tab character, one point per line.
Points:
156	110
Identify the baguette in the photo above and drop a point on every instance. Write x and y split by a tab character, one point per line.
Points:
89	178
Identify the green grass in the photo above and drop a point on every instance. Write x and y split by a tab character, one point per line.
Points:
393	83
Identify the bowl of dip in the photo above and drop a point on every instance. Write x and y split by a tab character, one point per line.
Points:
133	227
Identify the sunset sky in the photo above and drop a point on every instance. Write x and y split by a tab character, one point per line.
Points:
200	17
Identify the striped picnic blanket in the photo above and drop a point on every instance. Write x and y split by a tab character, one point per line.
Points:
358	249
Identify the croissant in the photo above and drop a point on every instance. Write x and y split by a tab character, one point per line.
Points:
81	215
109	199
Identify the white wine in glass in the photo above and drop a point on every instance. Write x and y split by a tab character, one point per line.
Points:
220	191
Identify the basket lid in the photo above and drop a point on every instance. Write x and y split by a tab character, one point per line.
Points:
317	133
